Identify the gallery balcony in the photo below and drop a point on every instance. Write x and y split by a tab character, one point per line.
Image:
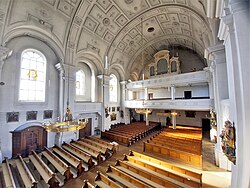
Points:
201	104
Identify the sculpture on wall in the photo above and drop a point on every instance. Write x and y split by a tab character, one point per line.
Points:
228	141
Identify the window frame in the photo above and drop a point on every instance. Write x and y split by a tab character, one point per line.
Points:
45	77
78	97
112	101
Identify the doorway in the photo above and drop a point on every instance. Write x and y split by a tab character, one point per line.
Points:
141	117
206	129
187	94
86	131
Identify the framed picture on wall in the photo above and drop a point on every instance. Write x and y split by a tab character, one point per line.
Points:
31	115
12	117
47	114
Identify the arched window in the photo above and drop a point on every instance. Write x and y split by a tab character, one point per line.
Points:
80	83
113	88
32	76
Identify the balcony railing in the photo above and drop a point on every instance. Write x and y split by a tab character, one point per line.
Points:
168	80
180	104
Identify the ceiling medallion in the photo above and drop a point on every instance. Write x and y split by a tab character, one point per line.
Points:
128	1
106	21
151	29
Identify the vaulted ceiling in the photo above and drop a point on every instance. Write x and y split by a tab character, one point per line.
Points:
120	29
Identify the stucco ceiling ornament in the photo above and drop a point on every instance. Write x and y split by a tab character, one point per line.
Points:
106	21
128	1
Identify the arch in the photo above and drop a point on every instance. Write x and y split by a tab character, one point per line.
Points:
91	59
119	69
38	33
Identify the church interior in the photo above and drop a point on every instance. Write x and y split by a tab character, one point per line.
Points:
124	93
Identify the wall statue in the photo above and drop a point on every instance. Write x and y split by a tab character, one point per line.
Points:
228	141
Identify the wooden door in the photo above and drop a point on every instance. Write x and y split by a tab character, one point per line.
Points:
86	131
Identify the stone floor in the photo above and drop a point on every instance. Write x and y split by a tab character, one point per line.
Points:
212	176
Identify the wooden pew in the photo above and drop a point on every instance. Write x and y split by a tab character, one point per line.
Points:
73	161
79	153
118	138
144	176
7	175
124	178
48	176
86	184
97	147
194	176
59	165
102	143
25	174
185	157
173	177
190	148
93	153
104	182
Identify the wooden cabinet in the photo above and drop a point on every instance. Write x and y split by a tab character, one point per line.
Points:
30	138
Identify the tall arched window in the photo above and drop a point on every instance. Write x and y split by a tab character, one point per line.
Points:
113	88
32	76
80	83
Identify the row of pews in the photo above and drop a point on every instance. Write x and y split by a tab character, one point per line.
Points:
53	167
183	144
139	170
129	134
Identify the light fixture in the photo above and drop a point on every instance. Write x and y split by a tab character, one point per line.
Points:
174	113
143	111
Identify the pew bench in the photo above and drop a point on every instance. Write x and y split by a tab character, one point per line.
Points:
87	158
194	176
95	148
73	161
104	182
59	165
189	158
93	153
124	178
145	176
7	175
163	173
24	172
103	143
47	175
104	150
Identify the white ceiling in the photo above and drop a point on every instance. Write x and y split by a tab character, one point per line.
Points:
111	27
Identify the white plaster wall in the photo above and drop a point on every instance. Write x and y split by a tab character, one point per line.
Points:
9	92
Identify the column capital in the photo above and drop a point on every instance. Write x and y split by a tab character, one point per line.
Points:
123	82
5	53
103	77
217	54
59	66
